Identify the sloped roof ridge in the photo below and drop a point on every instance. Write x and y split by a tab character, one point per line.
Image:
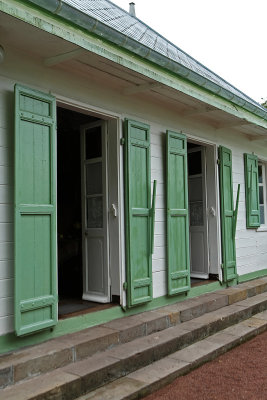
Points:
171	56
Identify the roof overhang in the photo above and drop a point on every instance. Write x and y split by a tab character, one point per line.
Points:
205	104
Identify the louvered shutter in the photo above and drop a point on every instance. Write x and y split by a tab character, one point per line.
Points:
252	191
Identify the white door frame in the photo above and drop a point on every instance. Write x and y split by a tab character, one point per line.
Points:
213	205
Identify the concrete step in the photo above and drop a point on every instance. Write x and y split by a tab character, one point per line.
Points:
162	372
73	380
53	354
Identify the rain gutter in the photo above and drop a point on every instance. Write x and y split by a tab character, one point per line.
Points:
92	25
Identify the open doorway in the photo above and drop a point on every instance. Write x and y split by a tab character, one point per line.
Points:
203	221
83	202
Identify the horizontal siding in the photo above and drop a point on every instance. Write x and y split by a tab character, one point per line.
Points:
7	324
6	269
5	138
6	306
6	213
6	194
159	284
6	288
6	231
6	251
6	207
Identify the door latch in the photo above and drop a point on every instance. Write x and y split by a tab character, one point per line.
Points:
212	211
114	210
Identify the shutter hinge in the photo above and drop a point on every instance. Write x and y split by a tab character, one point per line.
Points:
222	266
122	141
125	285
218	161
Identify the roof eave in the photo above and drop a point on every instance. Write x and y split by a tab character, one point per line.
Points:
98	28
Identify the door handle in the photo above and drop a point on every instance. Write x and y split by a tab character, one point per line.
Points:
114	210
212	211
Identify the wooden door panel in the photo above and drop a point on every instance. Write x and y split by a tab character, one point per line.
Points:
35	211
138	213
227	215
177	214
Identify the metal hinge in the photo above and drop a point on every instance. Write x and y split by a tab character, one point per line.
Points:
125	285
218	161
222	266
122	141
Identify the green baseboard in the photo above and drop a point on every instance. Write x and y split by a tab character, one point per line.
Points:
252	275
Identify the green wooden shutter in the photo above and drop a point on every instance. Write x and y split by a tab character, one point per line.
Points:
227	215
35	211
177	214
252	191
138	212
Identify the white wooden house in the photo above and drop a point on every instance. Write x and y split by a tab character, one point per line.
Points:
94	108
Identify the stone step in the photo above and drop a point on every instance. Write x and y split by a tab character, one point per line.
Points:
68	349
148	379
73	380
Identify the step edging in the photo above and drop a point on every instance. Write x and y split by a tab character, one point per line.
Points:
143	388
124	330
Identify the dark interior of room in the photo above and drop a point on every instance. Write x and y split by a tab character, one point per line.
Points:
69	220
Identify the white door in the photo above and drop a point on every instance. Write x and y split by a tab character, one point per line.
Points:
96	282
198	216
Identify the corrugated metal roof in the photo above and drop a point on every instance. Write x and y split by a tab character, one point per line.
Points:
131	27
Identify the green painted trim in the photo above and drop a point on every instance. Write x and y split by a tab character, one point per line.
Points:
252	275
67	31
11	342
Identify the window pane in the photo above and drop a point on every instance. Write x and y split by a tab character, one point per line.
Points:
261	194
94	178
194	163
93	143
95	212
262	217
195	189
196	214
260	173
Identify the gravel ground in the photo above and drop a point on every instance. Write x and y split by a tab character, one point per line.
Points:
239	374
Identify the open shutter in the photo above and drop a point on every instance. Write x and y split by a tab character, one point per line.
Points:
177	214
35	211
227	215
252	191
138	212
